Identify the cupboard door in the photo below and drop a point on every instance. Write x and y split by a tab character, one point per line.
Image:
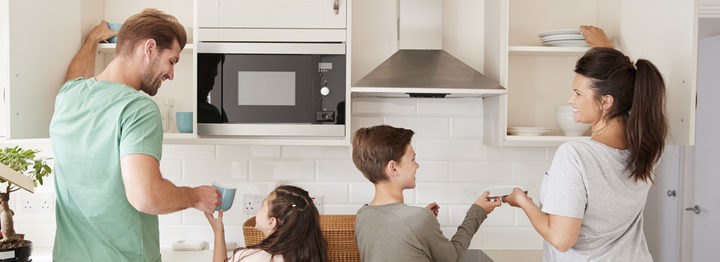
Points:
43	38
274	14
664	32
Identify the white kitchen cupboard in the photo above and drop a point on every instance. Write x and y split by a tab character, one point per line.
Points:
539	78
282	14
36	37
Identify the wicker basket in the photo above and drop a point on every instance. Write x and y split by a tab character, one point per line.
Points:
338	230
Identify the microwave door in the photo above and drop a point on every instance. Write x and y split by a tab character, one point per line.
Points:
268	88
209	89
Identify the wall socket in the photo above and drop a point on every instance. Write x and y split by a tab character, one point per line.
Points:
40	202
318	201
251	203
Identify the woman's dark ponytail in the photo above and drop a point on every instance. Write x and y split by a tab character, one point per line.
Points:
646	125
639	95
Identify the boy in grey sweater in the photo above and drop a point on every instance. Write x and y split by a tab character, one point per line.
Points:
388	230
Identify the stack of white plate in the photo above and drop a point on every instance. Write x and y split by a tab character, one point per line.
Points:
563	37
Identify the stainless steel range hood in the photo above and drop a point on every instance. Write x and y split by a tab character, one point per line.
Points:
426	73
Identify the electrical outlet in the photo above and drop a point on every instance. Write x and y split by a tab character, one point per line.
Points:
45	202
318	201
251	203
27	203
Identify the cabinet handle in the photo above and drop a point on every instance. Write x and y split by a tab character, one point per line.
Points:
695	209
336	7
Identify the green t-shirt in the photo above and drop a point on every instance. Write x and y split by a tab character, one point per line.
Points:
95	124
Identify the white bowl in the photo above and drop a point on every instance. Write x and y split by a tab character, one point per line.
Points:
564	118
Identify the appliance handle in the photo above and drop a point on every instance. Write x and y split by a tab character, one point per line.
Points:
336	7
272	48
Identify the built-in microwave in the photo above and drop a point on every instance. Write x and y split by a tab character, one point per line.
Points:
271	89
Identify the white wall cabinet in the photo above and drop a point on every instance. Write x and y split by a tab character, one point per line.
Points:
35	50
272	14
539	78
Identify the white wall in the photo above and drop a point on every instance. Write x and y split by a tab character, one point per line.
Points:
4	63
421	24
454	164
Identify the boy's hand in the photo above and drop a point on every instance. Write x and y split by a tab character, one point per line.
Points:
517	198
487	205
434	207
216	223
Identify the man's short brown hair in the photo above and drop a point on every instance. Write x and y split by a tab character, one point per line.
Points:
374	147
150	24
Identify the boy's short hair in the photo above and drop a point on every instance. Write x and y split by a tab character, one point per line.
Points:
374	147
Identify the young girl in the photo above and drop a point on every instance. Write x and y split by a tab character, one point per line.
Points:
291	224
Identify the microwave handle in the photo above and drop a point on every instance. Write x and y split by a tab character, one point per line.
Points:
336	7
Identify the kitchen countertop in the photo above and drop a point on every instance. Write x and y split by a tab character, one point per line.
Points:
44	254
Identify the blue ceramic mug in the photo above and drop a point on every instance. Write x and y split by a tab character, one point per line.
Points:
227	195
114	27
184	122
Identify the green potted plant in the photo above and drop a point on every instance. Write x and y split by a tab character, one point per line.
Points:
19	169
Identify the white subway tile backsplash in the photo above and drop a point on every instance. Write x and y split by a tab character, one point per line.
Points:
316	152
339	170
360	122
188	151
510	237
432	171
437	127
448	149
39	234
341	209
215	170
466	127
333	193
514	153
282	170
170	219
171	169
521	218
361	193
384	106
173	233
480	171
500	216
452	107
531	170
247	152
447	193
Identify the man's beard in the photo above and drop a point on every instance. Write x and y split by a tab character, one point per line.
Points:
150	82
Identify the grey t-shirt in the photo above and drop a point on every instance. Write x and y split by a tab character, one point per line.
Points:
397	232
588	180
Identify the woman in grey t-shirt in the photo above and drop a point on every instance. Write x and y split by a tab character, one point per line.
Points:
594	193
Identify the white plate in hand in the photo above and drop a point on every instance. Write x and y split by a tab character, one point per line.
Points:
501	191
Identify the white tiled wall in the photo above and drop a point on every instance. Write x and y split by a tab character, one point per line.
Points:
454	167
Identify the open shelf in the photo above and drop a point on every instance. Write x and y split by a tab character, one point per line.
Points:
547	50
540	140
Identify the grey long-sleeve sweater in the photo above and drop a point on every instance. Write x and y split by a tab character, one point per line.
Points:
397	232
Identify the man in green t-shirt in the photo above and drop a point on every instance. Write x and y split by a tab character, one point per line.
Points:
107	142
